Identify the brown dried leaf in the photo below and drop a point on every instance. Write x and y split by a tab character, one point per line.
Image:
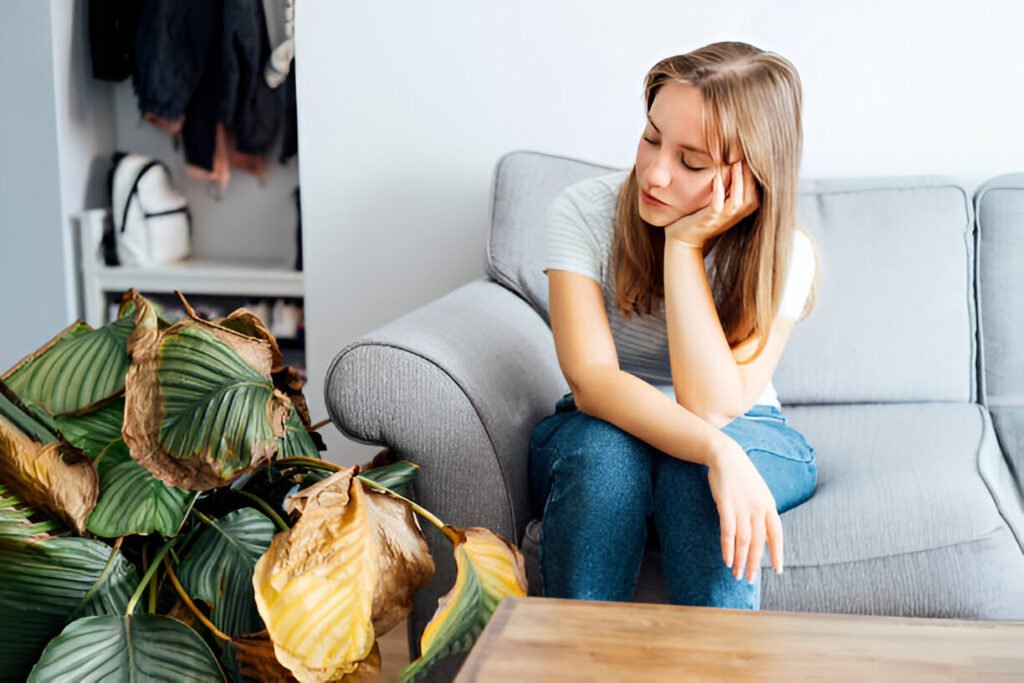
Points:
259	352
143	405
288	379
54	478
405	561
256	658
248	323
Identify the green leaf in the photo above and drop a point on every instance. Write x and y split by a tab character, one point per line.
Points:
16	518
133	501
42	585
78	368
296	440
214	403
397	476
28	421
142	647
220	568
93	432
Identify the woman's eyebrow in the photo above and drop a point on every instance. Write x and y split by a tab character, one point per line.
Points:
689	147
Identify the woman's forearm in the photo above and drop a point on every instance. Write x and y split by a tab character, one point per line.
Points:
704	372
641	409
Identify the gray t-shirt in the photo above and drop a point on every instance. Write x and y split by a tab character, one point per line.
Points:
580	224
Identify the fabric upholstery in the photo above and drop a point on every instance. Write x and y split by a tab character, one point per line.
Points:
917	290
891	378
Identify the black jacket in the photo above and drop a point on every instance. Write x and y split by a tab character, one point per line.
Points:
203	59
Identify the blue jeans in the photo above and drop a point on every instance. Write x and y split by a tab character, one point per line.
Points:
596	486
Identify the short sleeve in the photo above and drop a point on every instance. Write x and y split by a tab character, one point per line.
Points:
572	244
800	277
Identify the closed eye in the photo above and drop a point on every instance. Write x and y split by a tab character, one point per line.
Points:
681	160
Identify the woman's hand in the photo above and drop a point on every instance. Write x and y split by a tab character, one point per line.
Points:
722	213
747	511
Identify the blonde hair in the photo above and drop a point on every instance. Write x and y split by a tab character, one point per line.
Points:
752	98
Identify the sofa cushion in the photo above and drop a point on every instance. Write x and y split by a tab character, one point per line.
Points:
894	481
895	318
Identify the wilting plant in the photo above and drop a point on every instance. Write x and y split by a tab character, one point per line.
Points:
165	513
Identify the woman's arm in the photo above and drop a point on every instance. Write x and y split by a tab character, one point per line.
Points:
705	376
641	409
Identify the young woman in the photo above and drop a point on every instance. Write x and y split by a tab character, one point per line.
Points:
674	287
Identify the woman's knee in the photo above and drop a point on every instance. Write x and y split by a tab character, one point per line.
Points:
593	444
607	464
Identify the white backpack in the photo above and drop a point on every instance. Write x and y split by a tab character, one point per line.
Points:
152	223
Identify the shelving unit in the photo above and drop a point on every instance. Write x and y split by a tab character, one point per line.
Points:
195	278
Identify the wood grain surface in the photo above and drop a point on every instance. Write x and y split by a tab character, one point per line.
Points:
549	639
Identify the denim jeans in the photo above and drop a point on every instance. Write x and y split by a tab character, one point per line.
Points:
596	487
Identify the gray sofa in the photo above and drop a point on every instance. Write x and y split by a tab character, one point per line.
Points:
908	379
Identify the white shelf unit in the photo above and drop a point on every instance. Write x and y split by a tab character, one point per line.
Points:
192	276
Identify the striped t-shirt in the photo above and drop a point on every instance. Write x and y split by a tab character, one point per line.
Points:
580	223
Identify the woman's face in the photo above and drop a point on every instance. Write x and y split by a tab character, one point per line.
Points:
672	162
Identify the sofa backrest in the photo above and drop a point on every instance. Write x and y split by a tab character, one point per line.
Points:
999	206
895	318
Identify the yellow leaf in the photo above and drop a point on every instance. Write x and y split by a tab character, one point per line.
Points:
315	584
489	568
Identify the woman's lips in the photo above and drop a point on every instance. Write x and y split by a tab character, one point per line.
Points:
651	200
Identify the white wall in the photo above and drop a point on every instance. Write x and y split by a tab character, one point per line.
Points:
404	108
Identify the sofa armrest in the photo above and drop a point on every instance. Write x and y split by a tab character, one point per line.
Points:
455	386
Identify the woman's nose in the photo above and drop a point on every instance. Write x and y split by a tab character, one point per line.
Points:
658	174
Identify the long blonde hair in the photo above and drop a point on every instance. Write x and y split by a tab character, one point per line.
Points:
752	98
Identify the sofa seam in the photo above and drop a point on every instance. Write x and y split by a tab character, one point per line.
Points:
980	539
988	486
472	403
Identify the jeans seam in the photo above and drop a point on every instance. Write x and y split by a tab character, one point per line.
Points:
781	455
543	514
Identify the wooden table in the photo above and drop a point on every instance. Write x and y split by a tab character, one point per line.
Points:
547	639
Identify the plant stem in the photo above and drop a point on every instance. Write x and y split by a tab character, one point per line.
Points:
149	575
106	448
266	508
152	594
191	605
203	518
384	489
145	569
312	462
321	423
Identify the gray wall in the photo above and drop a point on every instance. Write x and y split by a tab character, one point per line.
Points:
404	108
33	276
